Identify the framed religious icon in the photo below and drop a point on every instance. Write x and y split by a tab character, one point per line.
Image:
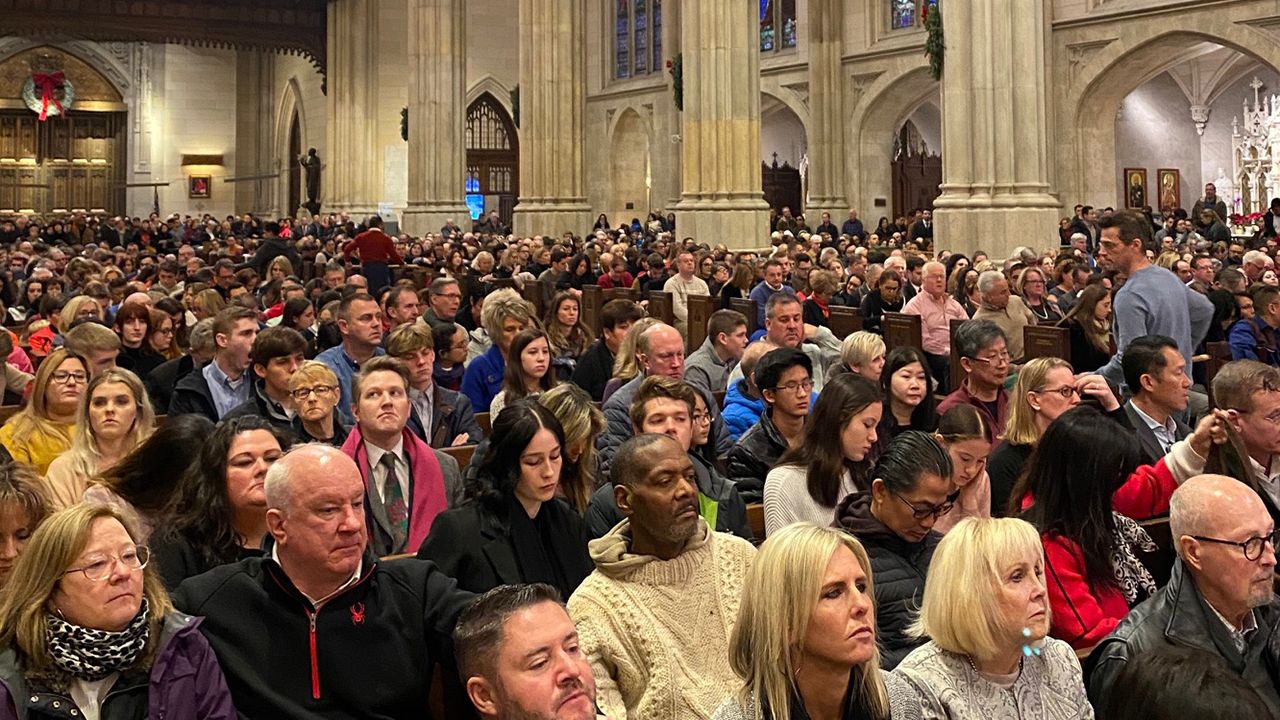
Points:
1135	188
1169	184
199	186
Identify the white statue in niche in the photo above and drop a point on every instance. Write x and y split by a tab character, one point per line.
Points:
1226	190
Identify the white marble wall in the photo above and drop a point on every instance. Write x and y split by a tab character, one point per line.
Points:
1154	130
195	114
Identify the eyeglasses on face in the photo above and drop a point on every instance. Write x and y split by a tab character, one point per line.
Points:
1252	547
63	377
100	568
303	392
920	512
1066	391
805	386
996	359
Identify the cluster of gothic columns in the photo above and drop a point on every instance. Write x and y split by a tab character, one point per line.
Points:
995	191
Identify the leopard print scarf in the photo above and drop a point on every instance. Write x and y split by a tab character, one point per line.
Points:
89	654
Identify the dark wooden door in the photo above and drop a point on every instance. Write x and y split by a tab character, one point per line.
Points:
65	164
782	187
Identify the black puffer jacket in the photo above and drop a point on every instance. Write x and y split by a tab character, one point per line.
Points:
754	456
898	569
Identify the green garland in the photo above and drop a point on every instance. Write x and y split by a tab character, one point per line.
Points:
934	47
404	123
515	105
675	68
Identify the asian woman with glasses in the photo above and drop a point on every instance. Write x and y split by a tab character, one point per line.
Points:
911	488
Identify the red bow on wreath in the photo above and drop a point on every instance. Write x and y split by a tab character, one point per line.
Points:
48	85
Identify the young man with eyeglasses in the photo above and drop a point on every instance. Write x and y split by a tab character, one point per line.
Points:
984	356
667	406
786	383
1220	597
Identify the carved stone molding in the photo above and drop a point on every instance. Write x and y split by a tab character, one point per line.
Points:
1078	54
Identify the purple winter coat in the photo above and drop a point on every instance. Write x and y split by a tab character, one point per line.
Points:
185	683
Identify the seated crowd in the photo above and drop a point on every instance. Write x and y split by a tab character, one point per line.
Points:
631	476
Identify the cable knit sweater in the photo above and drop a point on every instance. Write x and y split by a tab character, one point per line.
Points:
657	631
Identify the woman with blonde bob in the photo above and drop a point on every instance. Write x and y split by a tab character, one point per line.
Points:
804	643
82	612
115	416
863	353
986	613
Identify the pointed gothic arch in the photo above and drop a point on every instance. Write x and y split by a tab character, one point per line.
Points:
493	155
291	126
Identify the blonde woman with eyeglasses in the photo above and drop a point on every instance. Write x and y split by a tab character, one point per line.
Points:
43	429
314	388
89	631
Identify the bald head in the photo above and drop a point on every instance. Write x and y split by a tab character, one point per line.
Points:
1210	505
139	298
639	454
660	351
311	462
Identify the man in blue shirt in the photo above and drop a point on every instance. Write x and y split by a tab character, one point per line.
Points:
224	383
853	226
360	322
771	285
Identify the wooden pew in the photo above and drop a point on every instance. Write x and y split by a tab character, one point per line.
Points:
1046	341
623	293
957	372
8	411
532	292
661	306
461	453
902	331
1219	355
755	521
503	283
1160	562
747	307
700	309
592	301
482	419
844	321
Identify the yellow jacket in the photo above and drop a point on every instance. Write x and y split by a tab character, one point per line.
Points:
38	448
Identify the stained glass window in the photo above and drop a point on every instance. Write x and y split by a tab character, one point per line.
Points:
641	22
637	38
778	29
906	14
622	40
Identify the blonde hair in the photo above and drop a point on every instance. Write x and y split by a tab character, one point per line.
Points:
83	454
625	364
582	422
502	304
71	310
283	263
208	303
959	610
34	418
53	547
1021	428
861	347
312	371
778	597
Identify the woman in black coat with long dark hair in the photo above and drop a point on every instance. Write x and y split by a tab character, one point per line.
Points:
512	527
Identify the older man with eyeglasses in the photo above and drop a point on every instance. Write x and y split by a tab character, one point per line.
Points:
1220	598
984	357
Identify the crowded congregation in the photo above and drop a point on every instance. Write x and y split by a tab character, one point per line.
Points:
287	469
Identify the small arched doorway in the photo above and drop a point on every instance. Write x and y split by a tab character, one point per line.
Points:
295	168
493	159
630	176
917	164
783	151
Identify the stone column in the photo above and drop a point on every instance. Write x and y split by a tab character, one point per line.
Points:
826	112
351	180
437	115
721	199
553	196
995	129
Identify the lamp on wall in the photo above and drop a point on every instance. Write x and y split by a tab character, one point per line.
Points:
189	160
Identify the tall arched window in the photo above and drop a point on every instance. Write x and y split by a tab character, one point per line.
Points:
637	38
493	156
906	14
777	25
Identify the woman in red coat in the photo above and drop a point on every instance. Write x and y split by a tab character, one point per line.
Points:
1086	505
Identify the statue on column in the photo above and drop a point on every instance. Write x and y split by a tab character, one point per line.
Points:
311	175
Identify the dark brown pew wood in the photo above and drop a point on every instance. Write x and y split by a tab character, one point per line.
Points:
461	453
661	306
901	330
700	309
747	307
482	419
1046	341
844	321
592	301
755	520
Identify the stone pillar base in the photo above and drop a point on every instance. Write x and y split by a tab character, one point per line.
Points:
552	218
418	220
998	230
736	224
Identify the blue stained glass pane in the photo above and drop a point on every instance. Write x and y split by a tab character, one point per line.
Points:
657	34
768	28
641	19
903	14
475	204
622	41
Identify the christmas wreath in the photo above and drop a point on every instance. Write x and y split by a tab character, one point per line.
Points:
934	48
675	68
48	94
